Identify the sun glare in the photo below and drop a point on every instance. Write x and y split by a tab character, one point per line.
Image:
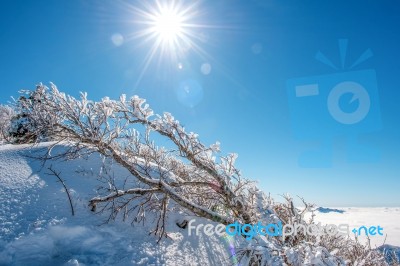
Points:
168	25
170	30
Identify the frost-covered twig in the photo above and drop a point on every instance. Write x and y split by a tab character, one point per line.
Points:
191	174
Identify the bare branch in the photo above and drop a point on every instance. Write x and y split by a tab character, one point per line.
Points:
58	175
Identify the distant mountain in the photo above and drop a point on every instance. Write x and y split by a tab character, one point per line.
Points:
326	210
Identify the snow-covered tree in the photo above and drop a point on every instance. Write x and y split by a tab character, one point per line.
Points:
188	176
6	115
191	174
22	128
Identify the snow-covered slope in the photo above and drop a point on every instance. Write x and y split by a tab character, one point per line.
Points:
37	228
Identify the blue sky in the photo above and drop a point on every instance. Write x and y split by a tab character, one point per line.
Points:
230	83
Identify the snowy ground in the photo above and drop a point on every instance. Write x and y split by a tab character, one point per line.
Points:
36	226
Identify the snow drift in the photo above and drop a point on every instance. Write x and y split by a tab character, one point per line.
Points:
37	228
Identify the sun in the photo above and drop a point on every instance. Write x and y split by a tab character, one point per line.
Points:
169	32
168	25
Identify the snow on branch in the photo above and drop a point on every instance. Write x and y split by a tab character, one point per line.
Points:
190	177
111	127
